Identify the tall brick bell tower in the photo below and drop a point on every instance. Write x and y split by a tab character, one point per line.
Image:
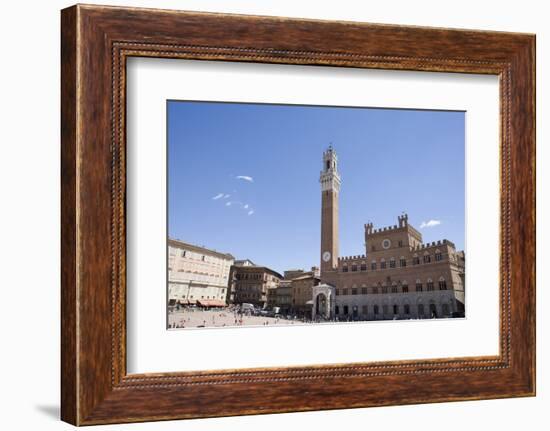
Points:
330	187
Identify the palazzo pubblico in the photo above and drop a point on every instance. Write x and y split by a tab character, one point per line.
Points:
398	276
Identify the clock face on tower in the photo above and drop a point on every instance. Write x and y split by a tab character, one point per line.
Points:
386	244
326	256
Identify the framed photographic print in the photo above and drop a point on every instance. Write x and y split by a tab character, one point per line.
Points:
289	207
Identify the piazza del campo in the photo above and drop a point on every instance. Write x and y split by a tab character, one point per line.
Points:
397	277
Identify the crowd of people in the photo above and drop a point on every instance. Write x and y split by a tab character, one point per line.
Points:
202	317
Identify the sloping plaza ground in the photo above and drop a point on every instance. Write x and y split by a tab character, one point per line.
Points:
216	318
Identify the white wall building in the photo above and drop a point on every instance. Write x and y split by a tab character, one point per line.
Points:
197	275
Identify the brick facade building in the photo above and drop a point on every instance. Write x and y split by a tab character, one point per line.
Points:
302	293
398	276
252	284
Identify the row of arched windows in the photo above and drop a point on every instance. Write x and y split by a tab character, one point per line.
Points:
395	310
426	258
395	287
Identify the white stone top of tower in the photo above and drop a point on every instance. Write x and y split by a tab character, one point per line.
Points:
330	178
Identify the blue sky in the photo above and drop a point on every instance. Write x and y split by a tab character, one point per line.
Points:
244	178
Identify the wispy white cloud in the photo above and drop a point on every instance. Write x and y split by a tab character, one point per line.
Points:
245	177
234	203
430	223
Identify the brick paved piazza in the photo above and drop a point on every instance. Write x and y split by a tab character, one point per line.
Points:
197	318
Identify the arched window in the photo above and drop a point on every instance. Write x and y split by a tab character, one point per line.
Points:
384	288
429	285
382	264
420	310
373	265
406	309
394	287
442	284
392	262
438	256
375	289
418	286
363	266
375	309
354	267
427	257
395	309
416	259
404	286
345	268
433	310
402	261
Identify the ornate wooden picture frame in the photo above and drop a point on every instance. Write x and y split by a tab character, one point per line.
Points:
96	41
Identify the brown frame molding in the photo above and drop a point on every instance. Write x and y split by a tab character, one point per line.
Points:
95	43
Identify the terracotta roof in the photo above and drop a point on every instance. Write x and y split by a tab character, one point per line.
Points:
306	276
241	262
257	268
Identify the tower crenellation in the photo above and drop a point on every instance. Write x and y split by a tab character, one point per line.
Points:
403	220
330	178
427	245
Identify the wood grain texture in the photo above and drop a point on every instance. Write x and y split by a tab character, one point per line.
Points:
96	41
69	397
